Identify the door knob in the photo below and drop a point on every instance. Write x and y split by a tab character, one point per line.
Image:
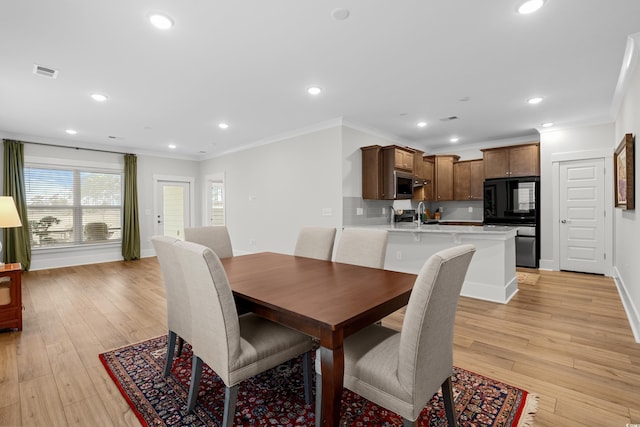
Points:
564	221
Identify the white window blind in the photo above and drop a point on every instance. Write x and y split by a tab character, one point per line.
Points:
72	205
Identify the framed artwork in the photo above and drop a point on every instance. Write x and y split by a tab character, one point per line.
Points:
624	176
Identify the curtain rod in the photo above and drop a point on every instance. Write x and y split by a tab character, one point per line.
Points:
73	148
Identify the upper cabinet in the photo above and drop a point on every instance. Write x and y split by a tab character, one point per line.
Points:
443	177
468	176
400	158
512	161
425	175
378	167
372	172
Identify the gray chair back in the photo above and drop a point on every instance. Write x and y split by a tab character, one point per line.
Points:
213	305
364	247
178	305
315	242
427	329
215	237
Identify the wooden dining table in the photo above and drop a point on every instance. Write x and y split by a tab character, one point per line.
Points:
324	299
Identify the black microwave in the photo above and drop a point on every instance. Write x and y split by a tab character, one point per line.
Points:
402	185
512	200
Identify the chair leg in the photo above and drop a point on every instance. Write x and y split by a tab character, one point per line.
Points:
230	398
171	345
307	370
449	404
318	399
180	345
196	372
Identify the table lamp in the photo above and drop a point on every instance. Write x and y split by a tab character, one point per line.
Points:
8	216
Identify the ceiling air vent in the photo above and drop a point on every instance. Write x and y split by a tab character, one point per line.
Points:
43	71
448	119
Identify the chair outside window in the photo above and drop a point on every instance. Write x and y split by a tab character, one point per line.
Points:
364	247
235	347
401	371
95	231
215	237
315	242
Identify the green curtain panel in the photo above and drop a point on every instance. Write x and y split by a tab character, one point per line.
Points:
130	226
17	246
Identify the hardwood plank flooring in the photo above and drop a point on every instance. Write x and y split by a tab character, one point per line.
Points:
565	338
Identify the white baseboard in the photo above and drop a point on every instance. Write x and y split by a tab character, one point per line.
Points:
632	312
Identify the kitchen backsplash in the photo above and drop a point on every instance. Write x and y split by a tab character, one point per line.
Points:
357	211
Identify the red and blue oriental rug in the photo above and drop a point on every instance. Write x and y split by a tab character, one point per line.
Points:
276	398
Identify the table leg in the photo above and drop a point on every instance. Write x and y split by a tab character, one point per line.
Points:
332	368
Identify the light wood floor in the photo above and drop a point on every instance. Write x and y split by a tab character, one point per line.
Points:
565	338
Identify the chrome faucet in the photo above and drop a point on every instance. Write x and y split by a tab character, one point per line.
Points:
420	212
393	214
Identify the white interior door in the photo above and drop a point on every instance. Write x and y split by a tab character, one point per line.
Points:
582	216
173	202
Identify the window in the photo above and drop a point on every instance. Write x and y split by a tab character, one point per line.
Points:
216	195
72	206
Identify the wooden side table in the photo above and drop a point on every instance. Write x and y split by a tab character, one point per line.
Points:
11	296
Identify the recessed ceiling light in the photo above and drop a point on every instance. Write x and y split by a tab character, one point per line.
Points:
530	6
71	131
314	90
172	146
99	97
223	126
421	124
160	21
547	125
454	139
536	100
340	14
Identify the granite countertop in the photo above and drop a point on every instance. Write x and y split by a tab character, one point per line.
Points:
409	227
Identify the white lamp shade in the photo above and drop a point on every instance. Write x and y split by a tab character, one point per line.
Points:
8	213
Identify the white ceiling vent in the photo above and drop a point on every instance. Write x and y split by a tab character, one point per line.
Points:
43	71
448	119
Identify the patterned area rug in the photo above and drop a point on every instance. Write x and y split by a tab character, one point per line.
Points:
276	396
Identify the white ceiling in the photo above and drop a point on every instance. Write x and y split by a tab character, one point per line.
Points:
388	66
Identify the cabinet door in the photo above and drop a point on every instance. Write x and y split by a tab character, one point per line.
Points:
444	178
428	172
461	180
403	160
371	173
524	160
476	179
496	163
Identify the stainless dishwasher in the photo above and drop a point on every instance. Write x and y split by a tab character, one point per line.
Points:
526	252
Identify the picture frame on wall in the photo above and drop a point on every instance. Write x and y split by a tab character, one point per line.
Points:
624	173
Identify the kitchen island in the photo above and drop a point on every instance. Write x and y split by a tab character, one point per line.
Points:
492	272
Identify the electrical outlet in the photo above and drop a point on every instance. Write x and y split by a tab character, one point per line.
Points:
252	242
399	255
327	211
384	211
470	209
359	211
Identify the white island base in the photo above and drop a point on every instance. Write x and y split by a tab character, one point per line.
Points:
492	272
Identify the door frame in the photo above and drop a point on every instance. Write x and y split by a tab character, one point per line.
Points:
556	159
170	178
215	177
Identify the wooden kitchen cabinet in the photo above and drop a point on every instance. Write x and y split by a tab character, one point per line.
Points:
11	296
443	177
400	157
468	177
372	172
512	161
426	168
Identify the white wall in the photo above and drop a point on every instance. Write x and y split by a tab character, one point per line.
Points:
273	190
570	144
627	224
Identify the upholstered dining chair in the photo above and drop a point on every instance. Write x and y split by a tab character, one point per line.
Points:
401	371
178	304
235	347
215	237
362	246
315	242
